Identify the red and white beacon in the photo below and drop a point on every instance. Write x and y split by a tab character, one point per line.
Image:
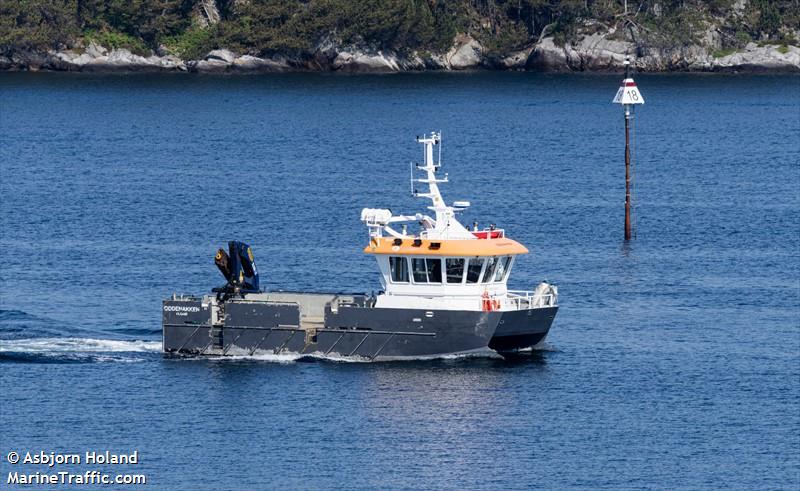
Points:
628	95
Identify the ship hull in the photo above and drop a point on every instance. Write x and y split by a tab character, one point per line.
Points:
522	329
356	331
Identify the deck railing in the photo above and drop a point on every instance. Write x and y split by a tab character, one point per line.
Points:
528	300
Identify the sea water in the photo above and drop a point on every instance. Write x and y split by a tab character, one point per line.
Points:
674	361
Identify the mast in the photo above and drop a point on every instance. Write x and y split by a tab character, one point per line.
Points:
628	95
445	225
430	178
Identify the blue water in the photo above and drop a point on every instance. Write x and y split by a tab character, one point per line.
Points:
674	361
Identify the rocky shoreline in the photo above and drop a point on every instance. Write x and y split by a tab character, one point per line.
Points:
593	53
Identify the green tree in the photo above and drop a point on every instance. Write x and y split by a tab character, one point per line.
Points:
36	25
148	20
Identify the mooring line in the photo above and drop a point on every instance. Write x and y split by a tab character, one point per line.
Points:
285	342
190	337
359	344
382	346
259	343
225	351
335	343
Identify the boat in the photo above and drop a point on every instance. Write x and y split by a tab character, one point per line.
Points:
444	292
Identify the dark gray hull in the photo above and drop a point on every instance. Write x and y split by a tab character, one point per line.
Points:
369	333
522	329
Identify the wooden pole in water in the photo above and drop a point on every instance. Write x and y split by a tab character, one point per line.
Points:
628	95
627	174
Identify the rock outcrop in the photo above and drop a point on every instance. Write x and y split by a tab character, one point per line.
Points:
466	53
756	58
597	53
93	59
594	52
223	60
358	61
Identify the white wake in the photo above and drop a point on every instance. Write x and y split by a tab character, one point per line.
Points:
77	345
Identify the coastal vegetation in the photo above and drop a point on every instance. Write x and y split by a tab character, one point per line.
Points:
191	28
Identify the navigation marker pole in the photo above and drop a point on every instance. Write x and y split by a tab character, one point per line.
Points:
628	95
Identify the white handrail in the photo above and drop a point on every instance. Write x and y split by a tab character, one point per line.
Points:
526	299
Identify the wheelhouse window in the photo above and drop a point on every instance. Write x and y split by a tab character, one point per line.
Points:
455	269
399	269
434	270
474	268
420	273
502	268
491	264
426	270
